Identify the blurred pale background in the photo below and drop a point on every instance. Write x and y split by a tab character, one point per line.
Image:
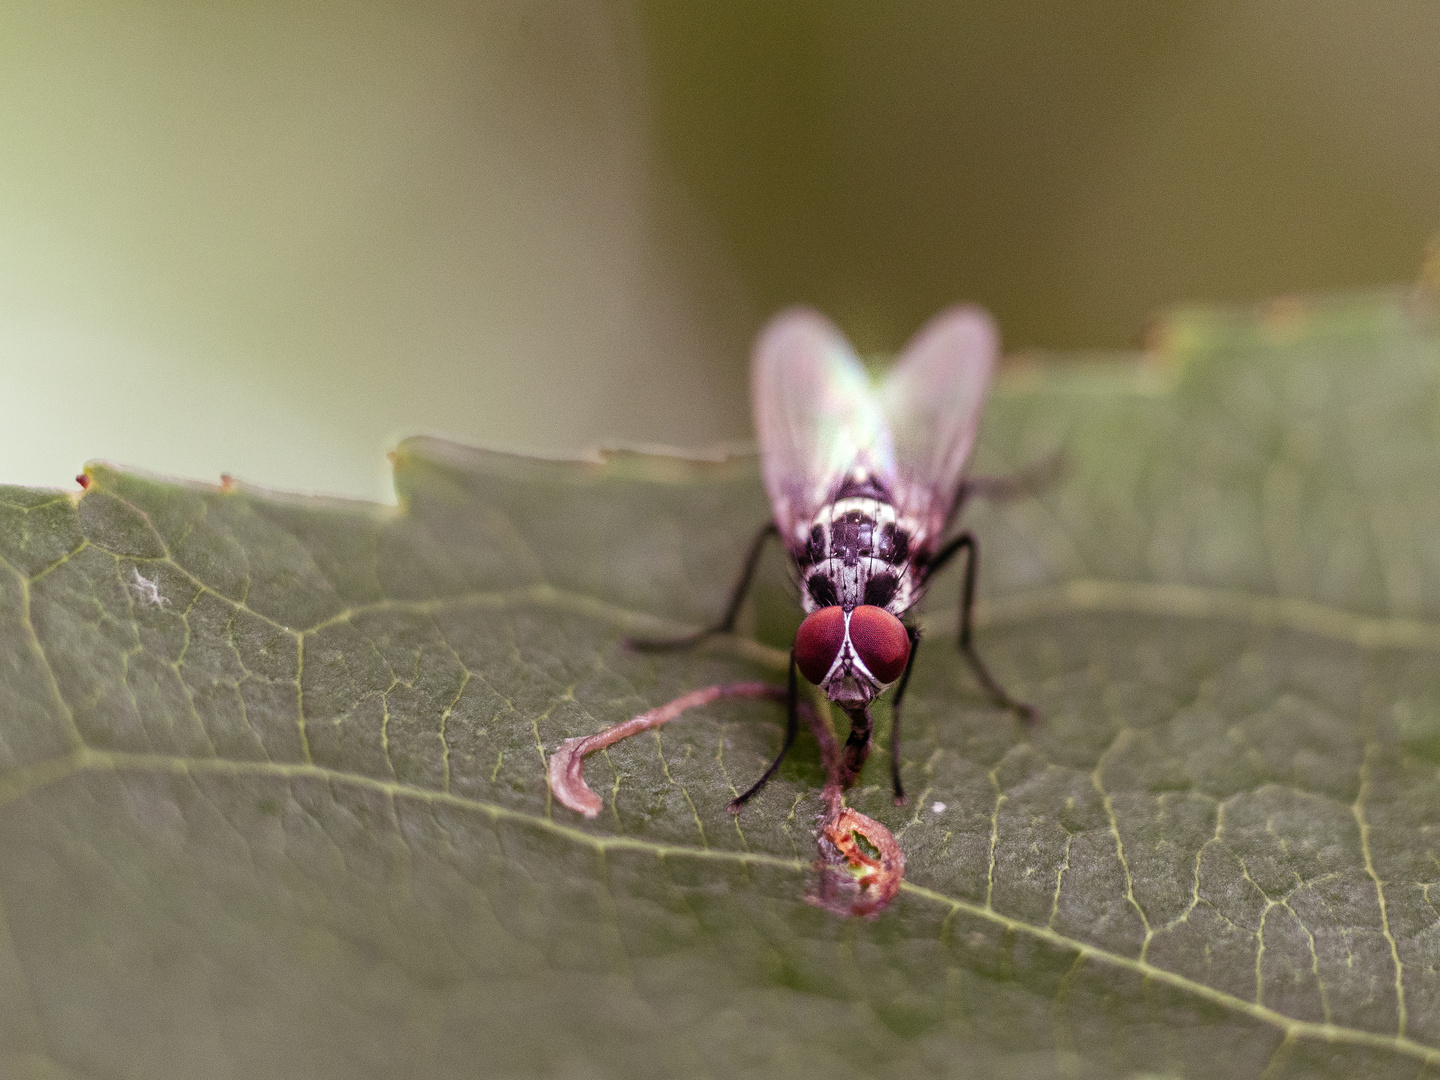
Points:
269	239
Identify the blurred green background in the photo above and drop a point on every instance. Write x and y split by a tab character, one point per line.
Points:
268	239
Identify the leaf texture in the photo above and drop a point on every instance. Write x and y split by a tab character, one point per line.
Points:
273	801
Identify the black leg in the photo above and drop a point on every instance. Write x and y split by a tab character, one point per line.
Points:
792	726
737	597
966	541
914	632
856	750
1030	480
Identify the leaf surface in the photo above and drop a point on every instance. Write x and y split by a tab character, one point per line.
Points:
272	794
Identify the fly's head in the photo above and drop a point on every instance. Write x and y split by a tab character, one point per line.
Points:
852	655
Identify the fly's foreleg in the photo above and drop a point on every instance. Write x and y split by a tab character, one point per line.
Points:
857	747
737	597
914	632
966	542
792	727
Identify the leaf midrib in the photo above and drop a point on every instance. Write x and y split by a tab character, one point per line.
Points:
31	778
1079	596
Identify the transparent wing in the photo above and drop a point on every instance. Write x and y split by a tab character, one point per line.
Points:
816	415
931	400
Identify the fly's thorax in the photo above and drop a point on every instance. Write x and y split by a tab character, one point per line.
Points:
857	551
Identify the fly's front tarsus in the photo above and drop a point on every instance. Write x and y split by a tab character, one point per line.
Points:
857	747
792	728
900	687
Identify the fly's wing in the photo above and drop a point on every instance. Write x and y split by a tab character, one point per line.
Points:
817	417
932	399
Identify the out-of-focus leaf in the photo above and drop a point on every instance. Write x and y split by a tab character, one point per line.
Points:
273	801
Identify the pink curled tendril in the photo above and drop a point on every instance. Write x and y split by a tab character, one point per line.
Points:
860	863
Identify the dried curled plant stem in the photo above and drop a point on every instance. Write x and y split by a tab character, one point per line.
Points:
567	781
860	863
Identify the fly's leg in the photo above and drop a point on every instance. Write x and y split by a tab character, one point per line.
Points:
792	726
914	632
998	694
1030	480
857	746
727	621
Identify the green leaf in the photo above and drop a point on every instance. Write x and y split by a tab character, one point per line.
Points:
272	795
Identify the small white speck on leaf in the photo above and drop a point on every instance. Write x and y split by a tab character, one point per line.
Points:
937	808
149	590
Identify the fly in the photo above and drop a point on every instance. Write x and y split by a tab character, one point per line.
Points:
864	484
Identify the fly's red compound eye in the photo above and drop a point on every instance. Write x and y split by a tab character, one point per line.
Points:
818	642
880	640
